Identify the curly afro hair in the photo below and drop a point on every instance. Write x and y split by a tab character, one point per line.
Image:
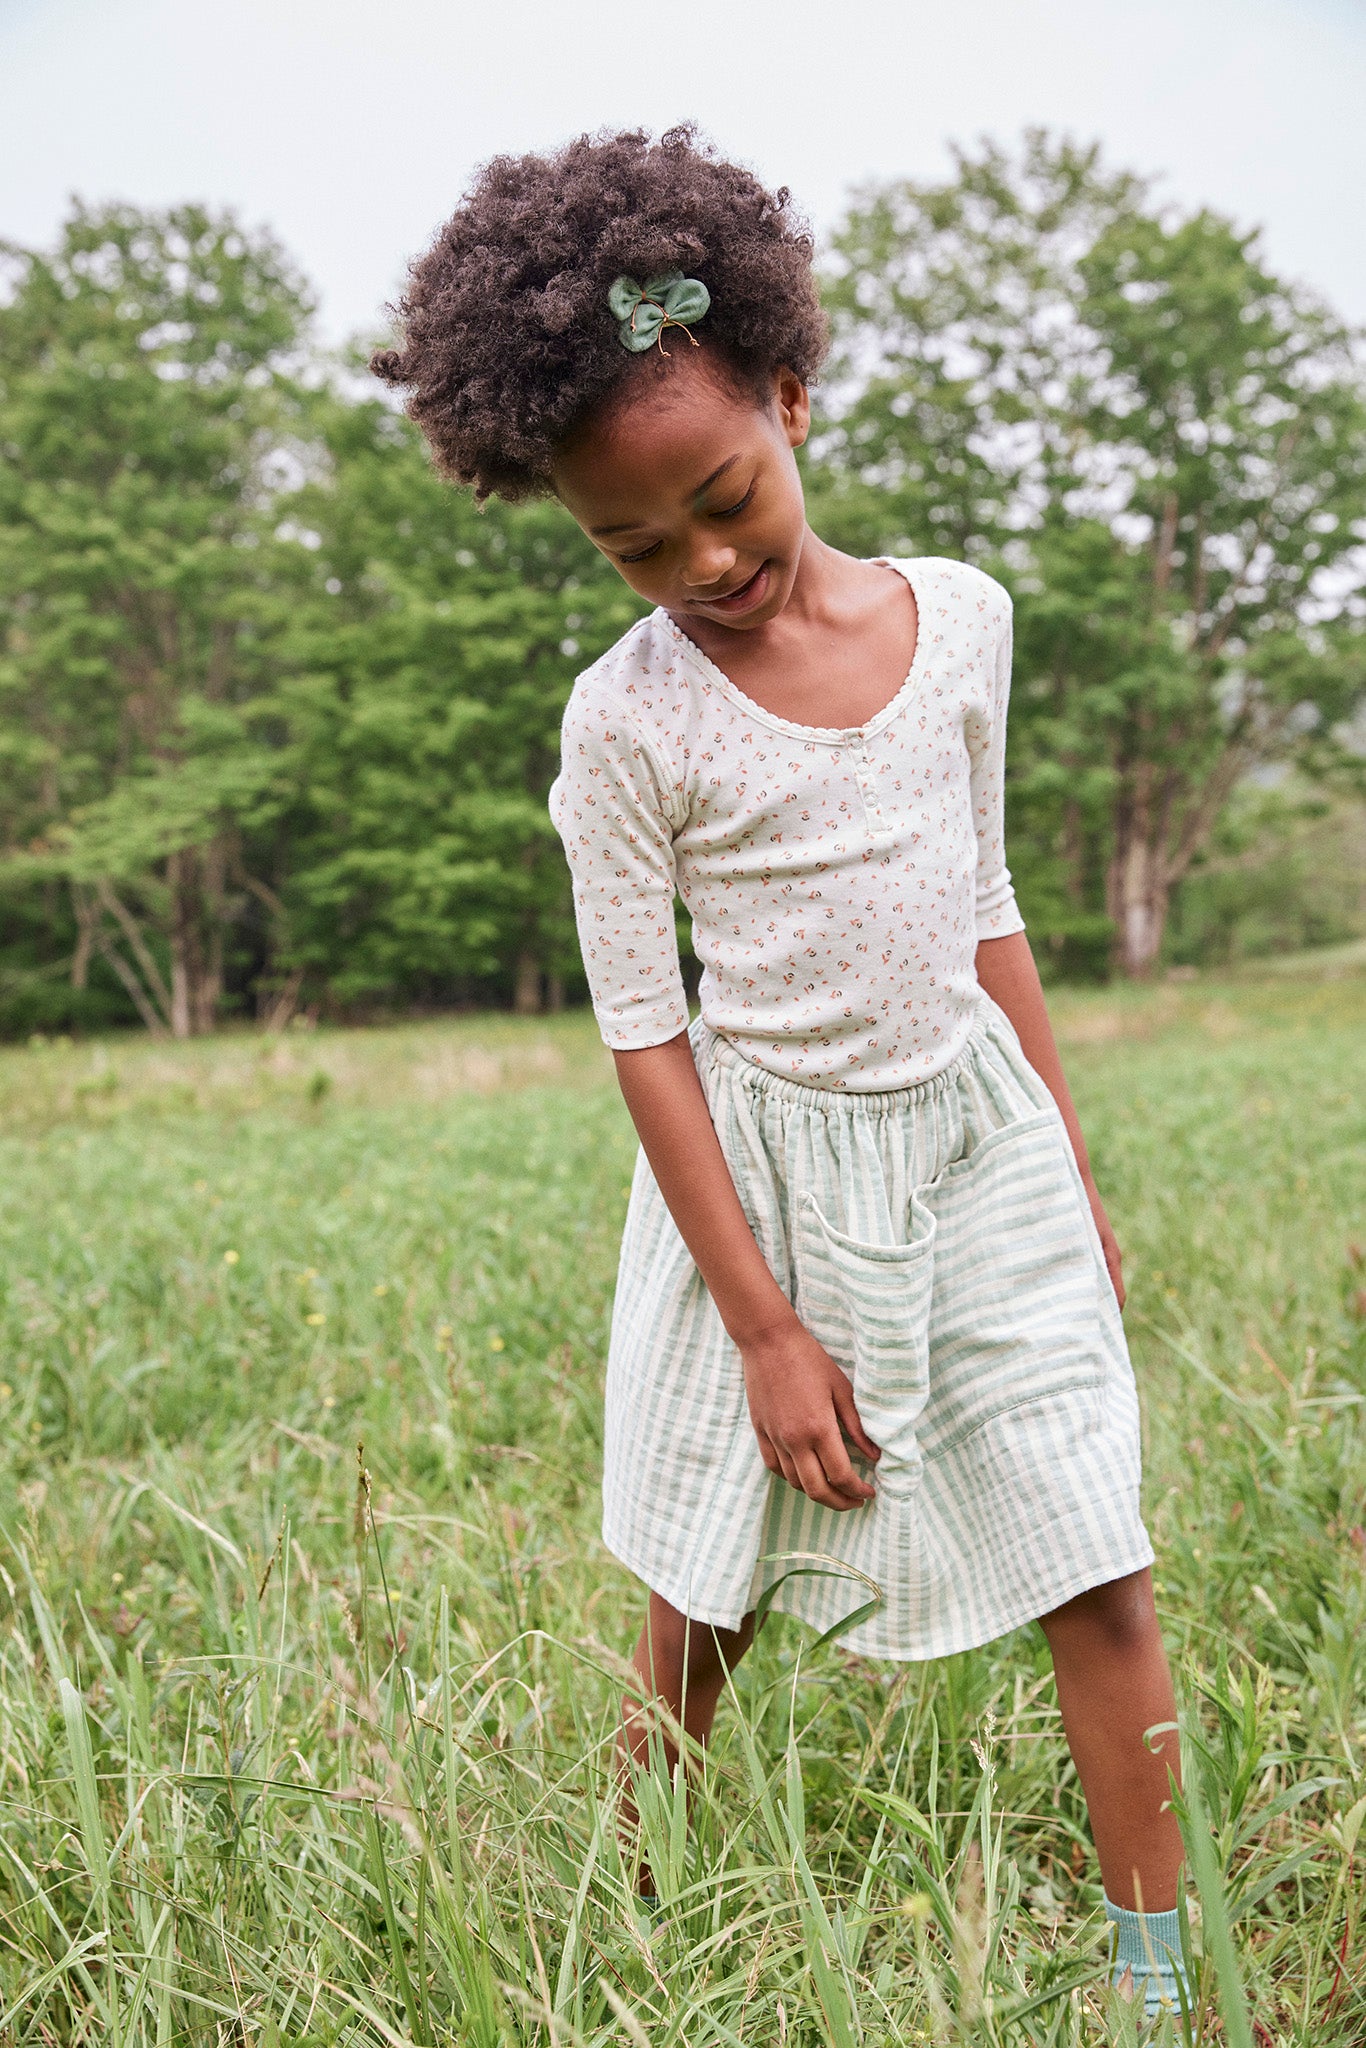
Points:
508	342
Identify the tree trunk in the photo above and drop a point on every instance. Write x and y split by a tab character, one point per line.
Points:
211	864
277	1010
87	912
207	992
1138	892
140	975
1074	853
196	938
526	988
182	942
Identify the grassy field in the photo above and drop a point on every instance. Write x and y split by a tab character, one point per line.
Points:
303	1743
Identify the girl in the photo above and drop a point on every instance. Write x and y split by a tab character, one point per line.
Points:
868	1306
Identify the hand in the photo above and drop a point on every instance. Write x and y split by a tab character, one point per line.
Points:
800	1402
1109	1244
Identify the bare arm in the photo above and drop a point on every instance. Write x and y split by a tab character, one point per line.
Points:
1006	970
801	1403
799	1399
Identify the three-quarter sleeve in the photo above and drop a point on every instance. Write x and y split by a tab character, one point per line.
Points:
610	805
998	914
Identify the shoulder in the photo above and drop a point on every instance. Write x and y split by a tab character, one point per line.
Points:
623	686
617	718
966	593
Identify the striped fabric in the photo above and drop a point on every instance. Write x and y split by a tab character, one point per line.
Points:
938	1241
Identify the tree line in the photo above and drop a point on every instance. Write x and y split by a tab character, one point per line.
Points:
279	710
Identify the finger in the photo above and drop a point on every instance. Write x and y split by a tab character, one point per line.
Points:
850	1421
834	1459
768	1453
1114	1267
813	1483
818	1483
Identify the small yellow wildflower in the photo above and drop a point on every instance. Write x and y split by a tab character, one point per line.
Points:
6	1390
383	1287
329	1400
231	1258
444	1332
496	1343
316	1318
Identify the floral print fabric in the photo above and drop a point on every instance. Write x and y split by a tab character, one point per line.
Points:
838	880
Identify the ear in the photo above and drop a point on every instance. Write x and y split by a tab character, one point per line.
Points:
794	406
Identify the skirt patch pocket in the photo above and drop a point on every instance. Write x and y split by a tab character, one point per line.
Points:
1014	1319
869	1305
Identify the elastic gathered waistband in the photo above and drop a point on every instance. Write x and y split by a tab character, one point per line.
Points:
711	1048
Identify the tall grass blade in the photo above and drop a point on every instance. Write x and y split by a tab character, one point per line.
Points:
1214	1913
380	1870
93	1846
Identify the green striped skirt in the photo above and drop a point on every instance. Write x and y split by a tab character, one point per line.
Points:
938	1241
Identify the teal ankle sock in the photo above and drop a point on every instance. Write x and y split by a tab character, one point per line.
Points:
1148	1945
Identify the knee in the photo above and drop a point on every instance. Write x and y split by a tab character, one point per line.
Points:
1117	1620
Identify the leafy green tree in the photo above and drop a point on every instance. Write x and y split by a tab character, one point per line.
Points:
280	710
147	407
1160	445
431	653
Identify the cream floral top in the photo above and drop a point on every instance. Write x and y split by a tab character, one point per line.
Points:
838	880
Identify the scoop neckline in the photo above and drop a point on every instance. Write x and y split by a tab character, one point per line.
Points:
827	734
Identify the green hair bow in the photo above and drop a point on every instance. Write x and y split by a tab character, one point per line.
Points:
643	311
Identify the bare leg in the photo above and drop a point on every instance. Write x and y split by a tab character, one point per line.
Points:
1113	1684
684	1665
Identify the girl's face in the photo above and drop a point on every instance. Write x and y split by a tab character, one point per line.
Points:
690	489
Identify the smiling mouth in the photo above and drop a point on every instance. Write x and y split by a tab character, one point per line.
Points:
751	591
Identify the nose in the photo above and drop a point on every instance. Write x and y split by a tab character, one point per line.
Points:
708	563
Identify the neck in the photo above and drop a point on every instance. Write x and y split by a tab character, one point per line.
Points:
822	576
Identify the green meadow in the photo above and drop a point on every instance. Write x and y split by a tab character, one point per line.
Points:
310	1648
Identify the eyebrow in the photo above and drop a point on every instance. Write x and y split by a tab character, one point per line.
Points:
634	525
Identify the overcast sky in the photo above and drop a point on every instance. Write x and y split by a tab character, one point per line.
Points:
352	129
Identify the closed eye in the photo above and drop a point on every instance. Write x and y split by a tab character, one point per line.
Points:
731	510
725	512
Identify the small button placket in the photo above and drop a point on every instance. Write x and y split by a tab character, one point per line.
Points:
879	826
